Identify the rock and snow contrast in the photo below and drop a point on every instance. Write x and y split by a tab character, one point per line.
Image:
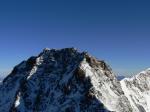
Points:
137	90
67	80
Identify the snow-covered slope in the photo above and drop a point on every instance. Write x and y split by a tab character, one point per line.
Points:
137	90
62	80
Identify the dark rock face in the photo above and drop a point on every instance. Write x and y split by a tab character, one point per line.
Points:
62	81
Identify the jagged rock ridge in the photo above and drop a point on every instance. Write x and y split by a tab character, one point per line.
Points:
62	80
137	90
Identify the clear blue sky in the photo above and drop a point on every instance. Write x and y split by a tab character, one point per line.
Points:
117	31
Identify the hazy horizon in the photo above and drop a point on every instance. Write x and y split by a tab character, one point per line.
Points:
115	31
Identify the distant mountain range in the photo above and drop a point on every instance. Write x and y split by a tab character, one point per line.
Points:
67	80
120	77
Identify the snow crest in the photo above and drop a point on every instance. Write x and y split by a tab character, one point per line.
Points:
66	80
137	90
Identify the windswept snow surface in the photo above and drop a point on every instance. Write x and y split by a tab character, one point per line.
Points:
137	90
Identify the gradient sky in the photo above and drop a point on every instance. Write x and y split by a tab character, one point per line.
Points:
117	31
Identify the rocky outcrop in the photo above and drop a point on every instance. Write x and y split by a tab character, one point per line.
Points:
64	80
137	90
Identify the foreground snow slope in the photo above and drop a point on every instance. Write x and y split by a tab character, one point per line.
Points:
137	90
62	81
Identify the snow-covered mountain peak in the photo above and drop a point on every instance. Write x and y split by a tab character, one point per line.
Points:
66	80
137	90
55	80
146	72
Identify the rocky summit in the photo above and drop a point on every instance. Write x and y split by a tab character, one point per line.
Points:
66	80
